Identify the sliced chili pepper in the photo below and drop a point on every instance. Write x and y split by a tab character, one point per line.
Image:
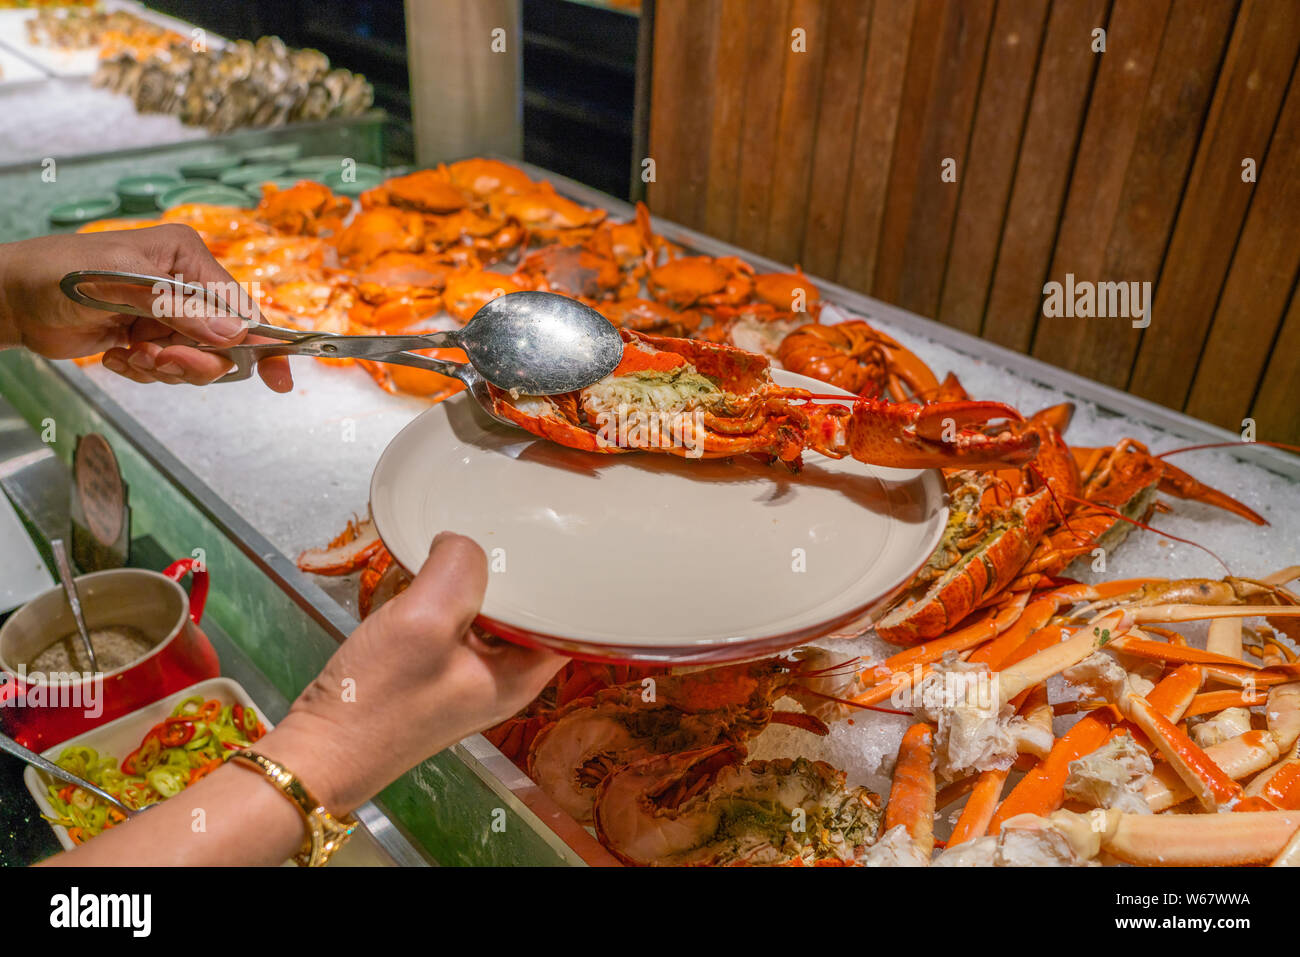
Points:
175	735
146	756
237	713
211	710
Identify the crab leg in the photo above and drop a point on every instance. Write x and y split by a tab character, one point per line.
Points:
1055	659
1212	702
980	807
1184	612
1279	786
988	626
912	796
1225	638
1289	856
1043	788
1232	760
1194	840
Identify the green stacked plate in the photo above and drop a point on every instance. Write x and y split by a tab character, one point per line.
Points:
276	153
241	176
140	193
354	182
318	165
84	209
214	195
209	168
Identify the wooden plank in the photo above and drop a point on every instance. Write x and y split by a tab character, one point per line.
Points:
923	58
1276	410
1191	53
985	183
1061	87
873	145
796	130
1092	205
949	115
1249	93
725	99
1259	283
760	142
848	27
682	49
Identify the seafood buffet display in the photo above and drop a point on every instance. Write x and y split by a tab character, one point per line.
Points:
106	30
244	84
1168	733
214	84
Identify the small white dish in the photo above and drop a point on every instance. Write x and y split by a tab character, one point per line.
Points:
646	556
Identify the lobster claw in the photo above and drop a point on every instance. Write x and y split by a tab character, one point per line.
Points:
938	435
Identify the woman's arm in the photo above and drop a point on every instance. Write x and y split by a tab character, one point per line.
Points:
409	682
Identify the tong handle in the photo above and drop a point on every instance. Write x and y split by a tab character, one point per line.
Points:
72	282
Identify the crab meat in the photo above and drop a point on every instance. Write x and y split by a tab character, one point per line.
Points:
1112	776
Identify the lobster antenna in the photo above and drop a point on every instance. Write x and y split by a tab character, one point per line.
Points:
1033	467
1140	524
854	704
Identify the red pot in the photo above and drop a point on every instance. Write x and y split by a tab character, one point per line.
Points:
40	713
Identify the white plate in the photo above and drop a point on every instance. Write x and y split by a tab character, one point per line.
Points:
646	556
122	736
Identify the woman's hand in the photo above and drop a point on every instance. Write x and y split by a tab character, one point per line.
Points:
36	314
411	681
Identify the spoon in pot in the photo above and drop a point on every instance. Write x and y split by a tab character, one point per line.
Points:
74	601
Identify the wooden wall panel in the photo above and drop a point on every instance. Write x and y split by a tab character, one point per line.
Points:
945	135
1276	411
1259	283
800	97
1251	85
873	147
762	140
1092	205
725	88
985	184
1178	97
848	25
1061	88
1115	166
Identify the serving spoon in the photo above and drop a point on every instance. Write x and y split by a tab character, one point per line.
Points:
63	774
69	584
531	343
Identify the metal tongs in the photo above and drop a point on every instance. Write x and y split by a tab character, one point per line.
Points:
531	343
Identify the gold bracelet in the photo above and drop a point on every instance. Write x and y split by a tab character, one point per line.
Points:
327	833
